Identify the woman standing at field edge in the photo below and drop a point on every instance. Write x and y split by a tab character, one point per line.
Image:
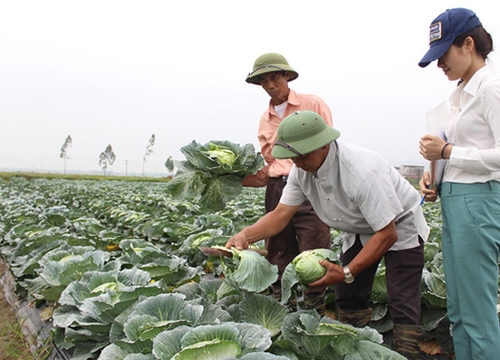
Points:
470	188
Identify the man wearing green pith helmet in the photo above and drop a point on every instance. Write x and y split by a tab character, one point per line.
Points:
357	191
305	230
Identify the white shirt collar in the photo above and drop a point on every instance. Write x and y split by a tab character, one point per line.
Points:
473	85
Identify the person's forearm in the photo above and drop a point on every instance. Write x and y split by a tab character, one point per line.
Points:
269	225
259	179
374	249
264	228
372	252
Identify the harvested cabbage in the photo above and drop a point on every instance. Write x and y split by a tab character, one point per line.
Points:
304	269
308	267
212	173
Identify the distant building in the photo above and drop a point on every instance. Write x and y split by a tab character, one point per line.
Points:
411	171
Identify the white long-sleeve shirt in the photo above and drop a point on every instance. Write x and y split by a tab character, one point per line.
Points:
473	128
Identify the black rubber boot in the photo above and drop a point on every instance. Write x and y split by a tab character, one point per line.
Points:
315	301
357	318
292	302
405	340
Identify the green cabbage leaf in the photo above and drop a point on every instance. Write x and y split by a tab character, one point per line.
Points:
305	333
229	340
253	271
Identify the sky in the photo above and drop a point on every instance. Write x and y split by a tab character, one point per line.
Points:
117	72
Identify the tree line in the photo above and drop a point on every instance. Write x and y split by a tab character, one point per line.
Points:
108	156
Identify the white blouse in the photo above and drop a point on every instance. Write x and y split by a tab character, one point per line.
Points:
473	128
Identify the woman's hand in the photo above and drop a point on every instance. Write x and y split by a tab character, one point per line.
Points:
425	188
431	147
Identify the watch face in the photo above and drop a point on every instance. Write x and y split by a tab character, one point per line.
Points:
348	277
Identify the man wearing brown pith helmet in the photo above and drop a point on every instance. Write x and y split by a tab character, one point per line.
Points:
305	231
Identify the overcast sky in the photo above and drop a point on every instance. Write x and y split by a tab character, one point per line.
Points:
116	72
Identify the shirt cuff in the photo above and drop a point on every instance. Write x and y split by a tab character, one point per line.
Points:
457	157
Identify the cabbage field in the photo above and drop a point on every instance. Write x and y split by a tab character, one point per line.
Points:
117	264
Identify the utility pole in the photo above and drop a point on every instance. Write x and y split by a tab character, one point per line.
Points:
126	167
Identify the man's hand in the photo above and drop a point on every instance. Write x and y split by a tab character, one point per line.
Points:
334	275
372	251
268	225
239	241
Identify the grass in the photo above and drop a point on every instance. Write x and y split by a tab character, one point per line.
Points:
34	175
12	343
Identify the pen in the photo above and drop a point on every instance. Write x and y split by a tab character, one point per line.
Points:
423	197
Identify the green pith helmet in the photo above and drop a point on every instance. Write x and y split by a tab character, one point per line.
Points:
301	133
267	63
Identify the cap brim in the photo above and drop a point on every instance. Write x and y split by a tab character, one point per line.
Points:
325	137
435	52
253	78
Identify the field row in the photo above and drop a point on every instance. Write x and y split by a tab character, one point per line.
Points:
118	262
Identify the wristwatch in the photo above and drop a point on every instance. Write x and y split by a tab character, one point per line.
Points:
348	277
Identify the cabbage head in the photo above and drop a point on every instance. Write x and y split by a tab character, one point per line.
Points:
308	267
223	155
304	269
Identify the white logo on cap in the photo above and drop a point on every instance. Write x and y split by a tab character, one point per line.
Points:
435	33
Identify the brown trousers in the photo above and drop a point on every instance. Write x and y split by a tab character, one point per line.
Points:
304	232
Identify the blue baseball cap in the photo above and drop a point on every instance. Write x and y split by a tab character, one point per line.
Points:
445	28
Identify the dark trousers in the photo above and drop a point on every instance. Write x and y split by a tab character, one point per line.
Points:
304	232
403	277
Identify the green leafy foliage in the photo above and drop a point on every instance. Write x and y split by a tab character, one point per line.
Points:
306	334
213	172
253	271
116	302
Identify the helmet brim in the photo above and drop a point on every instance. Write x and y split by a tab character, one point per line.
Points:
306	146
253	77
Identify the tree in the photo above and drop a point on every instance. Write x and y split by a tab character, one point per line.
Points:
149	151
64	150
107	158
169	164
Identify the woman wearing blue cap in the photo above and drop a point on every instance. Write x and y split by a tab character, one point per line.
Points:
469	188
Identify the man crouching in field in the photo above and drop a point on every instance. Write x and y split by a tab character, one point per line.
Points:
357	191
